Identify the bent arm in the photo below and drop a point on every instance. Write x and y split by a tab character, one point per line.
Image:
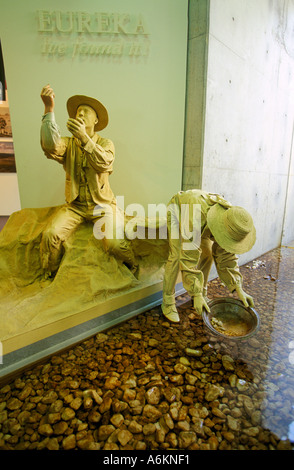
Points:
227	267
100	155
228	271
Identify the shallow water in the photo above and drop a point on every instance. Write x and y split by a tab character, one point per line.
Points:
270	280
150	384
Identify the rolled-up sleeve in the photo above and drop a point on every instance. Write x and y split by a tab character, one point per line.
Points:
53	145
100	155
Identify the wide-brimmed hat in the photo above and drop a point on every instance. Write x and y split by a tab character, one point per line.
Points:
232	228
77	100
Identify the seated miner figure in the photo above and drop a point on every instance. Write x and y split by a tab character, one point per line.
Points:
215	232
87	159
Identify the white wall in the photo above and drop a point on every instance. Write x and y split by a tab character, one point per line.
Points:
289	209
9	194
144	94
195	94
250	113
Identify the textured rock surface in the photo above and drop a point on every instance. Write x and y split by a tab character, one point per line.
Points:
86	277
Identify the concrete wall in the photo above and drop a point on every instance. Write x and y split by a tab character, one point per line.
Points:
249	113
288	229
195	93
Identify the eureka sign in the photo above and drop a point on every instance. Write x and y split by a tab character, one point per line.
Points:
79	33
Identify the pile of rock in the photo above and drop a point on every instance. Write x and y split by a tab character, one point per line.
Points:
145	384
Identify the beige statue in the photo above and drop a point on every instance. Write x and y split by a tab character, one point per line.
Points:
87	159
224	231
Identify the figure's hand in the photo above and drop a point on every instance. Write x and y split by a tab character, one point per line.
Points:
245	298
47	95
78	129
199	303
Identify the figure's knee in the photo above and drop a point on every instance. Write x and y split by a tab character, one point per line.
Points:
174	257
51	250
121	249
188	258
111	245
51	237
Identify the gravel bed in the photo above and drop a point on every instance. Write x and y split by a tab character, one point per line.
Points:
148	384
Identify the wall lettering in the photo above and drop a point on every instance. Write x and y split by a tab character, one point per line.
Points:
82	34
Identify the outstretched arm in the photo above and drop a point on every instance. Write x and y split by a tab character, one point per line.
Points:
53	145
229	273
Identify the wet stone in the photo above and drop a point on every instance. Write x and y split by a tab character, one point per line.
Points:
49	397
194	352
105	431
213	392
151	412
233	423
60	428
53	418
69	442
148	429
14	404
111	383
124	436
153	395
135	427
186	439
117	420
228	362
45	430
67	414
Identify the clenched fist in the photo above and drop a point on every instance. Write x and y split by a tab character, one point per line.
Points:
47	95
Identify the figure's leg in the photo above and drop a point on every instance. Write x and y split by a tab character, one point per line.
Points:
122	250
58	230
111	228
191	275
195	267
205	262
195	262
170	275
